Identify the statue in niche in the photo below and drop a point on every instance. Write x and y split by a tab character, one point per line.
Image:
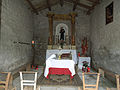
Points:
62	31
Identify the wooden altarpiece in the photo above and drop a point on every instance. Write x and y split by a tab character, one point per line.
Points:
59	17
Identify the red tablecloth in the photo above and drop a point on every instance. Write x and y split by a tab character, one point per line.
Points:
59	71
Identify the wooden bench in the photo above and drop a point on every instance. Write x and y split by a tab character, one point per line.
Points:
117	82
15	73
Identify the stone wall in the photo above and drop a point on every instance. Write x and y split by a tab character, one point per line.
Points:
42	29
105	39
16	29
0	27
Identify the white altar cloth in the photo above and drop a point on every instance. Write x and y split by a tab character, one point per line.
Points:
51	62
56	51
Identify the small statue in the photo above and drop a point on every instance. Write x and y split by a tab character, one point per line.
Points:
85	67
84	46
62	31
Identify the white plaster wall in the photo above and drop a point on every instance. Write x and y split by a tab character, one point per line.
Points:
16	26
106	38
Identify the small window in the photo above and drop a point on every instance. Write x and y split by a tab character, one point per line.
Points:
109	13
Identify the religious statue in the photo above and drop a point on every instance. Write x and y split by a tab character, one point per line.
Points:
84	46
62	31
85	67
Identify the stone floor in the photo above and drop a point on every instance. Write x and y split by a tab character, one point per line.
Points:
102	84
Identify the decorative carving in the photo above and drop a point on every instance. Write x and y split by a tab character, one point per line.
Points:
70	16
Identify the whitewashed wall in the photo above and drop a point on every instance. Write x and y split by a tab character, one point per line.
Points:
16	26
106	38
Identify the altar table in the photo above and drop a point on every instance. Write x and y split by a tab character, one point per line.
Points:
56	51
54	66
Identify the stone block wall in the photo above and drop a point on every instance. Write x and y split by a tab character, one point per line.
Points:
16	26
105	39
42	29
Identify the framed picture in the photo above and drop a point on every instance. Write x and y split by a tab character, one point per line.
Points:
109	13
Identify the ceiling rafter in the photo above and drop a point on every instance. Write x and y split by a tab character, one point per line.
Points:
75	4
79	4
32	6
39	7
93	1
61	2
93	6
48	4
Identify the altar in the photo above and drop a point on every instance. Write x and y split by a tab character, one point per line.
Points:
60	44
57	51
62	66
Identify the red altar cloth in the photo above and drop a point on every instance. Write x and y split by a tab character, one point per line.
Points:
59	71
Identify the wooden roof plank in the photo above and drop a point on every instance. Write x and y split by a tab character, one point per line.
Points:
93	1
75	4
61	2
32	6
48	4
79	4
93	6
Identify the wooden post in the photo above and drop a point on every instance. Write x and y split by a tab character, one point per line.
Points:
79	88
101	71
50	16
73	28
117	81
28	67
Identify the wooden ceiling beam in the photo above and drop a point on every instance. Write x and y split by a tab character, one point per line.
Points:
39	7
93	6
75	4
61	2
79	4
84	6
93	1
48	4
32	6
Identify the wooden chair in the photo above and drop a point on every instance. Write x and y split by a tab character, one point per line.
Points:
85	86
4	84
28	82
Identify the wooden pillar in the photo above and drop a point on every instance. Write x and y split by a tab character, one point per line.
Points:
50	16
73	28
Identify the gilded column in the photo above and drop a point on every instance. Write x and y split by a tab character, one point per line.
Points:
50	16
73	28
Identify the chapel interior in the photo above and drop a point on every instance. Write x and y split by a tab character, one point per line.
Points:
59	44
